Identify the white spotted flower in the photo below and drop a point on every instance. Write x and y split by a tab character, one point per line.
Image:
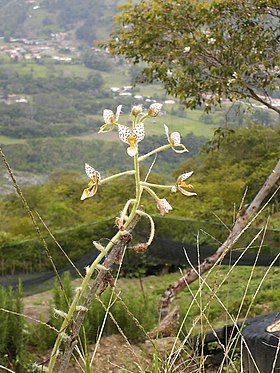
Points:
94	181
182	186
174	140
163	206
110	119
132	137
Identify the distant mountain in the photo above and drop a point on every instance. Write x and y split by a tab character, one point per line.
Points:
85	20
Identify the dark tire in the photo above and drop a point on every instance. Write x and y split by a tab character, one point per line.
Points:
264	346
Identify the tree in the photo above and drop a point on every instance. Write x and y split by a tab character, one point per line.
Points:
204	51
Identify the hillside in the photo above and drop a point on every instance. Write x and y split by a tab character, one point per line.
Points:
85	20
53	90
55	81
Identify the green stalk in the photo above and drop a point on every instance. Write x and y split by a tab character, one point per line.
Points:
161	186
110	178
124	211
152	230
151	192
157	150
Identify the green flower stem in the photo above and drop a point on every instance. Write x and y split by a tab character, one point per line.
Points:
143	118
124	211
152	232
110	178
160	186
157	150
151	192
138	192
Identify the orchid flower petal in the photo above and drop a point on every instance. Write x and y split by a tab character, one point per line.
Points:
175	139
186	193
124	133
108	116
139	132
185	176
131	151
90	171
166	129
118	112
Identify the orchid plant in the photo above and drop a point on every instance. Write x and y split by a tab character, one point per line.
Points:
131	136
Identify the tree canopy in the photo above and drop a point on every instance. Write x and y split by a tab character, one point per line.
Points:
204	51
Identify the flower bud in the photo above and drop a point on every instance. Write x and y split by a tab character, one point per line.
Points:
140	247
136	110
154	109
163	206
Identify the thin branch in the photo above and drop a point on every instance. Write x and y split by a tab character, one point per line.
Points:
238	229
259	99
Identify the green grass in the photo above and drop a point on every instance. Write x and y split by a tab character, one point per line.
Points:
230	293
34	25
203	306
73	70
42	71
27	68
4	140
117	78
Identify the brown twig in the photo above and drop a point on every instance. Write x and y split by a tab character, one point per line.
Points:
78	322
236	232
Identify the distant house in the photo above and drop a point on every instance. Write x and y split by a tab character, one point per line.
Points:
115	89
15	99
127	88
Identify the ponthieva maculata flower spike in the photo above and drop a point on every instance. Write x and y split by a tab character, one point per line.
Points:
174	140
94	181
132	137
181	185
110	119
